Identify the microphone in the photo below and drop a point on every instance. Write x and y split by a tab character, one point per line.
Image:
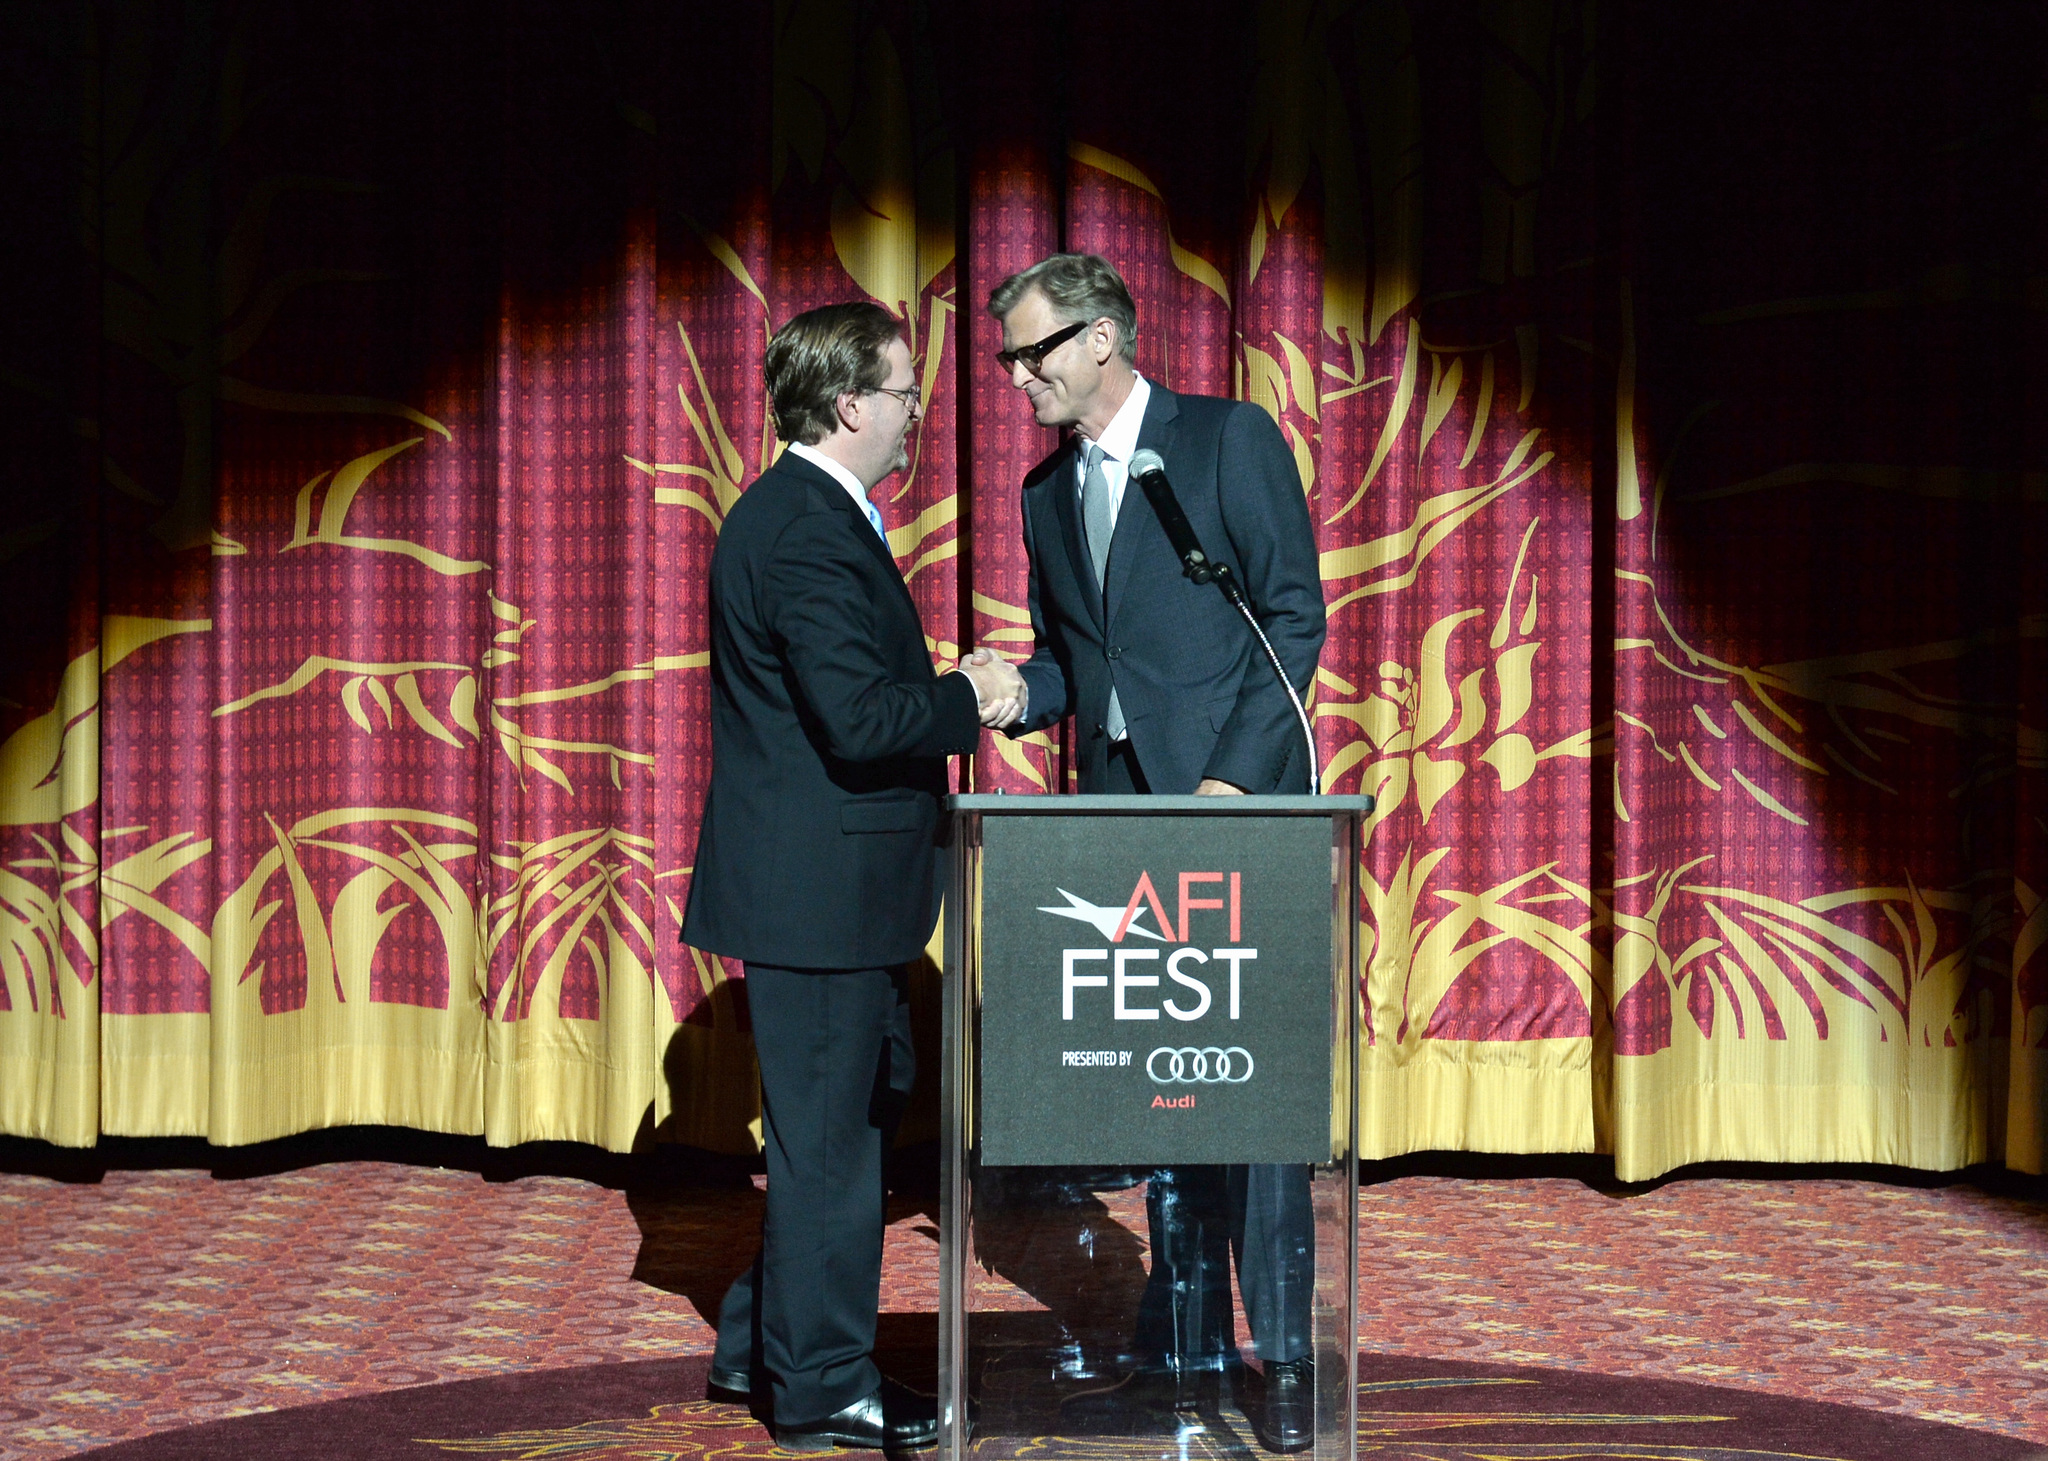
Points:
1149	470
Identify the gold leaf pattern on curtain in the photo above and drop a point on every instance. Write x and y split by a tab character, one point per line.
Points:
1676	563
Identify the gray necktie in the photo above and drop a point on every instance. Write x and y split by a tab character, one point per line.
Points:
1100	525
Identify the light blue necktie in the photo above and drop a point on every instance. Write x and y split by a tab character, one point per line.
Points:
875	517
1100	526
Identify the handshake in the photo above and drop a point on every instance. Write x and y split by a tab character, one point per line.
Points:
998	686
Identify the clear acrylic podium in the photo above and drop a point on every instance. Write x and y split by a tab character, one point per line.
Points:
1150	1033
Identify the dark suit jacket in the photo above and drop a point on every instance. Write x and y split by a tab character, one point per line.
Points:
1197	693
829	733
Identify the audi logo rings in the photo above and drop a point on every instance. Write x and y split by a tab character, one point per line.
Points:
1208	1065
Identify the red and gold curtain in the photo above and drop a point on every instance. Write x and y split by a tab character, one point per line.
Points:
1665	386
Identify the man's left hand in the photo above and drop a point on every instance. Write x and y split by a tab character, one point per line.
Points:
1212	787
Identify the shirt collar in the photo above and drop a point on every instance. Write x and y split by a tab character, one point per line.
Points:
1119	439
835	470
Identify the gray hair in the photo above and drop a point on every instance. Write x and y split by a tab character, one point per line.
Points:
821	355
1083	287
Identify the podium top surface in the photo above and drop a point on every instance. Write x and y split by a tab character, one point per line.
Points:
1036	805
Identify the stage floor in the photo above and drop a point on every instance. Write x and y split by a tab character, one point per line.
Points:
149	1300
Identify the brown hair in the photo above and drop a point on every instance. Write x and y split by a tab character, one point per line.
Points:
818	357
1083	287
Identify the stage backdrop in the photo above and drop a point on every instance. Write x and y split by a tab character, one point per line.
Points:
1665	383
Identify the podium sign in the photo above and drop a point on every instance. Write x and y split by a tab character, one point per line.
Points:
1155	990
1148	1237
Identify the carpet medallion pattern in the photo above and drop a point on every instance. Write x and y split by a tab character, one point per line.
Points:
151	1300
1417	1410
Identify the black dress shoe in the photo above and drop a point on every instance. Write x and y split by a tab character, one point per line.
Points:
891	1419
736	1384
1286	1418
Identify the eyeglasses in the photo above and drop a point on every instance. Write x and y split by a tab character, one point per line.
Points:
1033	356
906	394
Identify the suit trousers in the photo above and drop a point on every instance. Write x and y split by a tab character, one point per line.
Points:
836	1069
1200	1216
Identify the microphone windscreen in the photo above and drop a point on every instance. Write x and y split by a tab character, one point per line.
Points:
1146	462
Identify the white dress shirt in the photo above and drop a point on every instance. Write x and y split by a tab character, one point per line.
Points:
1118	442
836	472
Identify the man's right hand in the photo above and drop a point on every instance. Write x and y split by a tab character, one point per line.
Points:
999	686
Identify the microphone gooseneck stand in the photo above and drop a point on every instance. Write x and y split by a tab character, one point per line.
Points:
1150	473
1225	580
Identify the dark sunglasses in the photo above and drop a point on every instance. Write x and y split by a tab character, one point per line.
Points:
1033	356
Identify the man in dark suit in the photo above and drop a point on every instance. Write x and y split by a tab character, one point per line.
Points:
1171	695
816	863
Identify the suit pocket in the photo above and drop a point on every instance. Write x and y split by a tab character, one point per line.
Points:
1219	712
896	814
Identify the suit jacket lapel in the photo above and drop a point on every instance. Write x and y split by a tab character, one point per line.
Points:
1066	503
1135	520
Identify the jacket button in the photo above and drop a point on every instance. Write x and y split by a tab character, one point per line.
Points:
1114	651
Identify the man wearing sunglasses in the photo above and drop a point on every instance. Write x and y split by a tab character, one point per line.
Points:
1167	690
816	863
1170	695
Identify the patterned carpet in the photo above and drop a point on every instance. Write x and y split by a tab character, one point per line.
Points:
140	1299
1409	1410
